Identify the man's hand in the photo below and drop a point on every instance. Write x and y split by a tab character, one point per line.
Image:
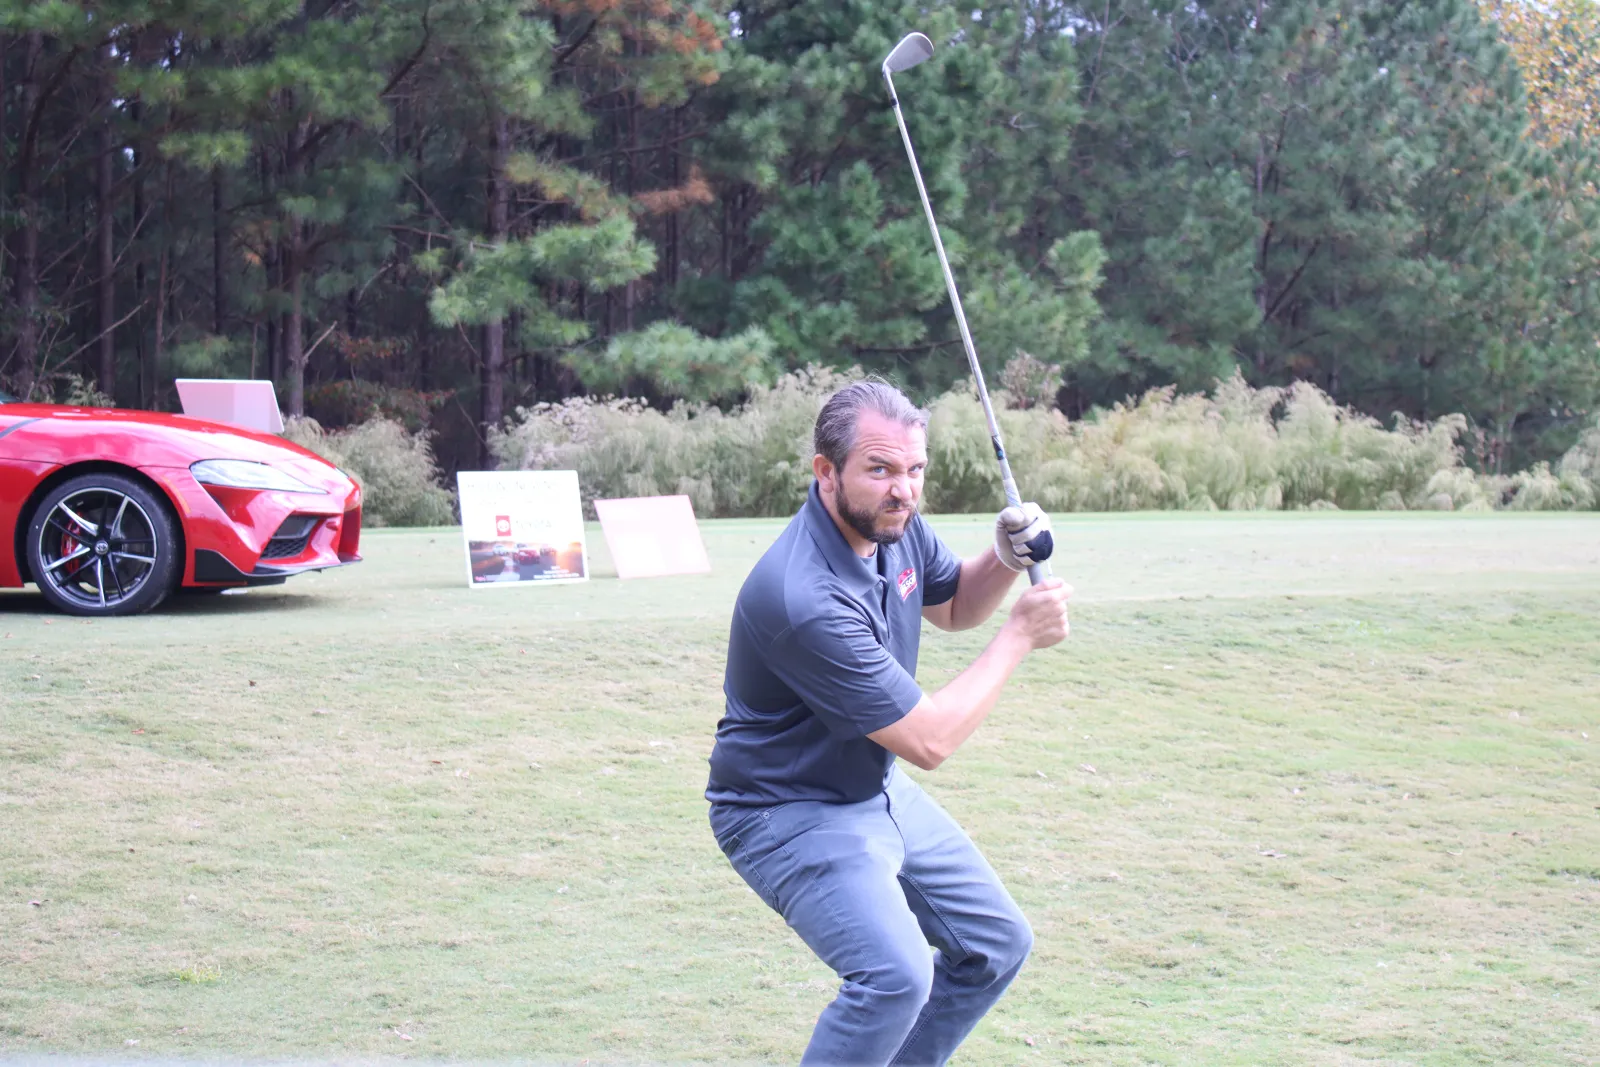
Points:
1040	614
1022	536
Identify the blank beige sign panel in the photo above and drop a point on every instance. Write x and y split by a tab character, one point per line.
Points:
651	536
250	404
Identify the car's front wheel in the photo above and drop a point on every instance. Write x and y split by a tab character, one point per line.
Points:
104	544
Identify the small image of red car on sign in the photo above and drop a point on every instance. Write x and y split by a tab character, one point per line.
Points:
502	525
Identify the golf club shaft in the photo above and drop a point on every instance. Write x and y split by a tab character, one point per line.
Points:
1037	572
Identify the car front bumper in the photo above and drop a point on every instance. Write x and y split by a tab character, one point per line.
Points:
260	537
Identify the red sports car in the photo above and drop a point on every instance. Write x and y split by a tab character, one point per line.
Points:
108	512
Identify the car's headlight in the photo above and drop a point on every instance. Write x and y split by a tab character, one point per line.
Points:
246	474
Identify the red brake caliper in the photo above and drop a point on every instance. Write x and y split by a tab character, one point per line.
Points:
70	545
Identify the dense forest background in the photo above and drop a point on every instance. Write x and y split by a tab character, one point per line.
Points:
440	210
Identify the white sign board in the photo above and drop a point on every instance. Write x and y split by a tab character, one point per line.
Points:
522	527
652	536
250	404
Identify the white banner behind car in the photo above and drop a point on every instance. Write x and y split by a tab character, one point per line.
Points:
522	527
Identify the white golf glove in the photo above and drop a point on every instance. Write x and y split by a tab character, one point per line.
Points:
1022	536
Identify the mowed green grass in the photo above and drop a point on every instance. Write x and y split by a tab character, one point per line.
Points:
1300	789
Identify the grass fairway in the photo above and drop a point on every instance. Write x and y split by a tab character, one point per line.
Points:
1301	789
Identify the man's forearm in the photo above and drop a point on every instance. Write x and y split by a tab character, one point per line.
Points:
983	585
969	697
940	722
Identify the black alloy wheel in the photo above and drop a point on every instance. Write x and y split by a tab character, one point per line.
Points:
103	544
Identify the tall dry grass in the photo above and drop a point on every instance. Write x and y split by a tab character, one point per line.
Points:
396	470
755	460
1238	448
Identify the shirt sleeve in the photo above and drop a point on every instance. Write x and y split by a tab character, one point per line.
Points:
834	663
941	568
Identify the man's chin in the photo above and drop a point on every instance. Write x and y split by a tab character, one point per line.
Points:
889	532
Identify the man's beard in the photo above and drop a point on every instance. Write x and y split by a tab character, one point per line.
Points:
865	522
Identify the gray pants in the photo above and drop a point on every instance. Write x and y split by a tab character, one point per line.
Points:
869	887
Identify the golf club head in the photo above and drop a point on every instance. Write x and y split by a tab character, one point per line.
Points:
912	49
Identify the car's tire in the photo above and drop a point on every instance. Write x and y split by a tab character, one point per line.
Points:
104	544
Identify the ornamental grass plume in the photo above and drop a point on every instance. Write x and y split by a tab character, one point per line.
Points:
754	460
396	471
1333	454
1237	448
1579	468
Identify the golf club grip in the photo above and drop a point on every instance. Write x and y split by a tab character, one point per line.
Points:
1037	572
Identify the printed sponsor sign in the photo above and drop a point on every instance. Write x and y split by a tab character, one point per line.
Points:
522	527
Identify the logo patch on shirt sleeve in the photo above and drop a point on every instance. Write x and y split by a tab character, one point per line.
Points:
907	582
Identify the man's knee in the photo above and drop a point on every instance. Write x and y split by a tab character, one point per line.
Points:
1004	947
901	982
1018	943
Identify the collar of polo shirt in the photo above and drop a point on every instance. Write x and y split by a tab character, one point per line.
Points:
859	573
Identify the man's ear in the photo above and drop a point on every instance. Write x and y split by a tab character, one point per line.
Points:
825	471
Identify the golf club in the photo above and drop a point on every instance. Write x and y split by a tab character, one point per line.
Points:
914	48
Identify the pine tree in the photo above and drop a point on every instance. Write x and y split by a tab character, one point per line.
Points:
1333	192
822	243
536	235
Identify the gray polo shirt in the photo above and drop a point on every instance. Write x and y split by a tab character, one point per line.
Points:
822	652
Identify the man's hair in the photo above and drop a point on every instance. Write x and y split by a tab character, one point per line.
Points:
835	433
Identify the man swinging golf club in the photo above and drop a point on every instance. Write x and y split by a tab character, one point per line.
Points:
806	800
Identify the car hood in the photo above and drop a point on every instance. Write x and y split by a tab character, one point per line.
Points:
145	438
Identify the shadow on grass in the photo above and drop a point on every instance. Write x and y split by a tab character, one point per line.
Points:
254	602
21	602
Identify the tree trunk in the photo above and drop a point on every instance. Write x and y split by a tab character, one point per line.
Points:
136	113
273	265
5	155
726	256
494	331
108	261
27	209
163	288
293	334
669	271
219	238
156	348
274	348
294	354
631	293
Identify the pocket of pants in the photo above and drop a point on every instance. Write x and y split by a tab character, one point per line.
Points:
728	824
739	857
